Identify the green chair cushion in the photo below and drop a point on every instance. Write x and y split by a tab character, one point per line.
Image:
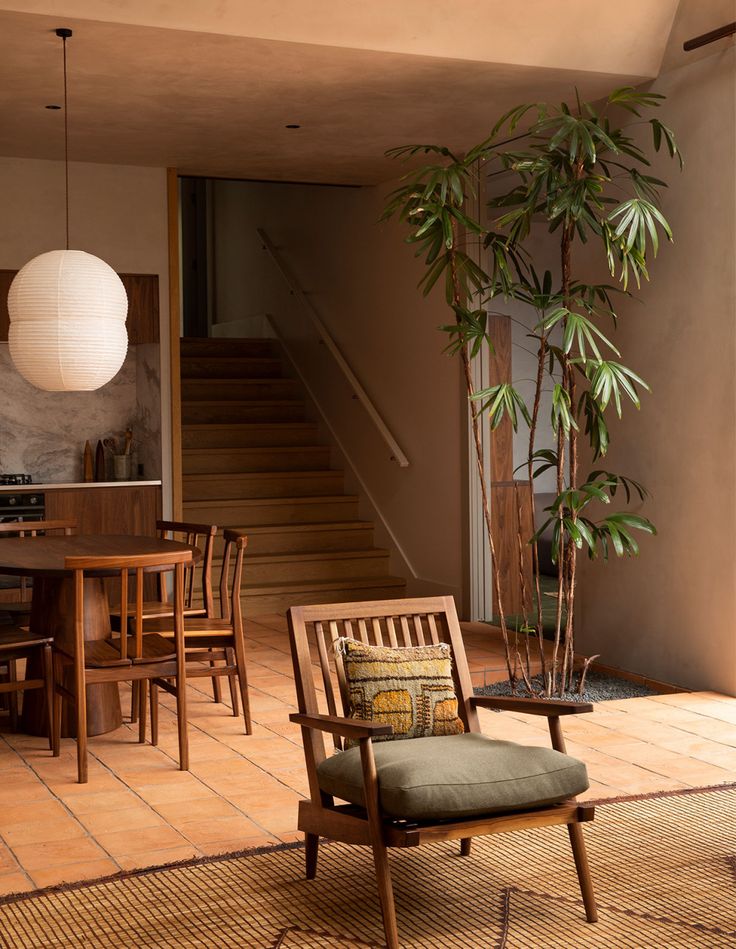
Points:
453	776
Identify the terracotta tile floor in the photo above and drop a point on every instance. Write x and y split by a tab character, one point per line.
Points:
139	810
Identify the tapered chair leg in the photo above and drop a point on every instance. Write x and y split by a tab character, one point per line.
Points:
56	710
13	696
311	851
232	661
216	690
142	698
181	715
243	681
134	702
154	713
48	679
465	844
80	695
581	865
386	894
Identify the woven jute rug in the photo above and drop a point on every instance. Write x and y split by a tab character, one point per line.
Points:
664	870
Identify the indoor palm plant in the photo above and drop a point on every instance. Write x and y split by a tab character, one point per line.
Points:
582	173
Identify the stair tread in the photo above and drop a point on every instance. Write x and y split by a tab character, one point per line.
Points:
238	449
346	583
231	426
248	402
317	555
306	527
231	475
260	502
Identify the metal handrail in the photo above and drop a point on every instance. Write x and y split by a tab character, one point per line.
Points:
396	453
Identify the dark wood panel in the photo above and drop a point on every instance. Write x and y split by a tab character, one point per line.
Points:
142	290
500	368
6	278
143	311
120	510
508	499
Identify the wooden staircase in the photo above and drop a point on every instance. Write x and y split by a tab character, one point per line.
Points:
252	459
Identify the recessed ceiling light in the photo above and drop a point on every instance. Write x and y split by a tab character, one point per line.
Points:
53	106
293	126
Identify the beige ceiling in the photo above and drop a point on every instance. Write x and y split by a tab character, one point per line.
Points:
176	85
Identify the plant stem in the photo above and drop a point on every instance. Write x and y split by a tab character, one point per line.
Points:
475	424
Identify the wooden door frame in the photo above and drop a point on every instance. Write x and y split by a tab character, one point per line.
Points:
172	193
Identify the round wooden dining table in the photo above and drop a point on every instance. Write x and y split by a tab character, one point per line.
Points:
52	608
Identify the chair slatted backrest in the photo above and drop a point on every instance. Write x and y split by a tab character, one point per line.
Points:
33	529
195	535
413	622
122	568
230	588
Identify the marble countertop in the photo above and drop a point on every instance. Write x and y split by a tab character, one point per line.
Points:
44	486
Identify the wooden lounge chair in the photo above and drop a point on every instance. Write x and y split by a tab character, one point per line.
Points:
539	784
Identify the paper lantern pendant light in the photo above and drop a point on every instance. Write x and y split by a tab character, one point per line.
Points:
67	321
67	312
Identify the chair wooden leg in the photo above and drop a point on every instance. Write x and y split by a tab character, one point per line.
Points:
57	706
181	713
380	851
154	713
13	696
134	703
142	698
48	679
243	681
232	661
465	846
311	850
581	865
216	690
80	695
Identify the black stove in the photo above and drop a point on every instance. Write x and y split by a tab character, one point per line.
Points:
12	479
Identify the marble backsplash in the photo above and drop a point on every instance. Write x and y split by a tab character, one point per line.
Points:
43	433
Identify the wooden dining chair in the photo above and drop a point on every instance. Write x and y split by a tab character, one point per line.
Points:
197	574
16	643
135	657
408	792
19	609
197	583
210	642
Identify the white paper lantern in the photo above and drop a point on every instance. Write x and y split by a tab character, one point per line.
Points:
67	321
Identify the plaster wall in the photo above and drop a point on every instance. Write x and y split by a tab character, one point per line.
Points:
362	280
117	213
671	614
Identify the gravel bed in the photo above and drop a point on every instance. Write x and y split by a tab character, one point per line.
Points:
598	688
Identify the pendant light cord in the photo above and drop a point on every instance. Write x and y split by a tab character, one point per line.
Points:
66	147
64	34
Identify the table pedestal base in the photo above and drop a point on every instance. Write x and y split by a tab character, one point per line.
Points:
52	612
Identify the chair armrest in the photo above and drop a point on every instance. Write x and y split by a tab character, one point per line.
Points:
548	707
354	728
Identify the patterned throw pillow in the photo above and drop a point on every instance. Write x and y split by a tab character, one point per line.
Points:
410	688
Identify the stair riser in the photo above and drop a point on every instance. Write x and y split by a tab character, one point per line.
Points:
272	512
256	574
235	390
280	603
255	348
222	413
296	542
255	459
281	485
260	436
201	367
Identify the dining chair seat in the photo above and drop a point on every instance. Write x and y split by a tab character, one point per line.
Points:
199	627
